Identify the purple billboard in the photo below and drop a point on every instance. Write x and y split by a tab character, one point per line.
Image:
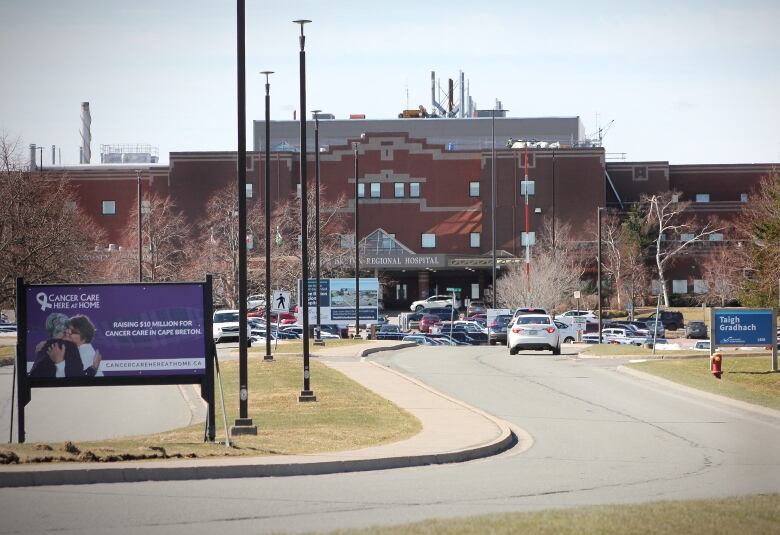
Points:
131	330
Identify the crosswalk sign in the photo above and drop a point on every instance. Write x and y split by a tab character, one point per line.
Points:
280	301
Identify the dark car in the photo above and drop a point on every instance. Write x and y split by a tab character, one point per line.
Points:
696	329
444	314
478	336
671	320
389	332
497	329
476	307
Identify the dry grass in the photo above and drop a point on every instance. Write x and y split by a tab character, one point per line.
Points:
345	416
738	516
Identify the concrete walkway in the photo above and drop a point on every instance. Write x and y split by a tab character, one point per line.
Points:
452	432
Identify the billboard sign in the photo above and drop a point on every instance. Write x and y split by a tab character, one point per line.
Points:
337	300
117	330
743	327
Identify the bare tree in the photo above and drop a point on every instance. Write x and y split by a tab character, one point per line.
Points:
555	272
624	262
44	236
722	270
165	235
668	217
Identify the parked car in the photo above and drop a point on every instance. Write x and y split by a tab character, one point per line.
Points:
476	307
639	327
535	332
444	313
656	326
434	301
413	320
225	327
475	333
256	300
569	314
428	321
420	339
526	310
389	332
566	332
672	320
497	329
702	345
696	329
457	339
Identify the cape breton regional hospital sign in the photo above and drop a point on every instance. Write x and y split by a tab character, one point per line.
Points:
404	261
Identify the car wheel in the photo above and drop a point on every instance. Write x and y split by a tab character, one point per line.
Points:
513	350
418	308
569	340
492	342
556	350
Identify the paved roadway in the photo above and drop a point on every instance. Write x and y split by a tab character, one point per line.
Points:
599	437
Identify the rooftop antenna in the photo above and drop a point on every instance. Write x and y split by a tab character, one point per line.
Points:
407	94
603	131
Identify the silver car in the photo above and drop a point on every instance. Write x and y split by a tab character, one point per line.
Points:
535	332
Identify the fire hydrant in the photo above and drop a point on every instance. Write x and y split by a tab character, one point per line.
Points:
716	361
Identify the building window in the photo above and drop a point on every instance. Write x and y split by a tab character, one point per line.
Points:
249	191
109	207
475	291
702	197
686	236
716	236
655	287
250	241
400	292
530	185
428	241
675	197
474	239
700	286
527	238
298	190
347	241
680	286
400	189
376	190
70	206
361	191
414	189
743	197
473	189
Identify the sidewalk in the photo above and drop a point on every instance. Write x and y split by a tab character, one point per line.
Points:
452	432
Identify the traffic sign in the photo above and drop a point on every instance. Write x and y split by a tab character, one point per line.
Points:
280	301
453	290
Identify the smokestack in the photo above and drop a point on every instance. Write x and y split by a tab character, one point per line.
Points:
86	133
462	110
433	91
33	164
450	96
53	155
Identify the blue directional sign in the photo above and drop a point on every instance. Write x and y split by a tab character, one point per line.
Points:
743	327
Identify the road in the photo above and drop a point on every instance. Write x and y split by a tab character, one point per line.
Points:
599	437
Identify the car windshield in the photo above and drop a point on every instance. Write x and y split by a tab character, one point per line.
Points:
533	320
225	317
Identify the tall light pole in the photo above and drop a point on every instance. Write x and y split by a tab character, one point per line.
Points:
317	336
140	239
268	356
243	424
527	235
306	394
598	260
493	198
355	146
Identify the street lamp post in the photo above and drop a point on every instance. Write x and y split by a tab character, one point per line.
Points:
355	146
243	424
527	217
493	199
598	260
306	394
268	356
140	239
317	332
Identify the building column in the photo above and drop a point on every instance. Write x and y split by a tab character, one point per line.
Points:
423	284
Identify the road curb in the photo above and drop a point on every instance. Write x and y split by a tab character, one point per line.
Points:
244	467
743	405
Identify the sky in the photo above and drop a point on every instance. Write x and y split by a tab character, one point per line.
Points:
686	81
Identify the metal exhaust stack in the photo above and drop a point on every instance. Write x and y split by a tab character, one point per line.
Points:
86	133
33	150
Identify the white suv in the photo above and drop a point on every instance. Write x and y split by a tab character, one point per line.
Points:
434	301
225	327
535	332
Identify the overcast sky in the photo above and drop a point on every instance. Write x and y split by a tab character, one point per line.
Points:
685	81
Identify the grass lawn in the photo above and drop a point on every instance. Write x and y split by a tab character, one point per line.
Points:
745	378
753	514
345	416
